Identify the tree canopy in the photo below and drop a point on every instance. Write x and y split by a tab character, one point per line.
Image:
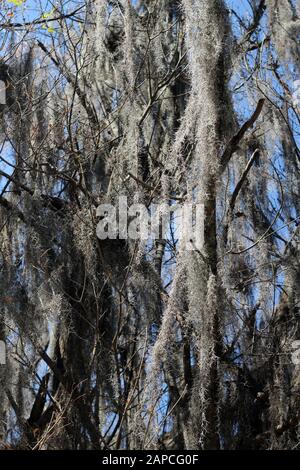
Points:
143	344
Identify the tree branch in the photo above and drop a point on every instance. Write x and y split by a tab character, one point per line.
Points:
236	139
51	202
242	179
11	208
237	191
39	21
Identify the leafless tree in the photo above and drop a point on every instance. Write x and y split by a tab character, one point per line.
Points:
127	344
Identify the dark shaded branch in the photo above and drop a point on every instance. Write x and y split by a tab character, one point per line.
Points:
16	408
258	14
52	365
90	110
17	182
237	190
242	179
40	400
236	139
12	208
52	202
39	21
